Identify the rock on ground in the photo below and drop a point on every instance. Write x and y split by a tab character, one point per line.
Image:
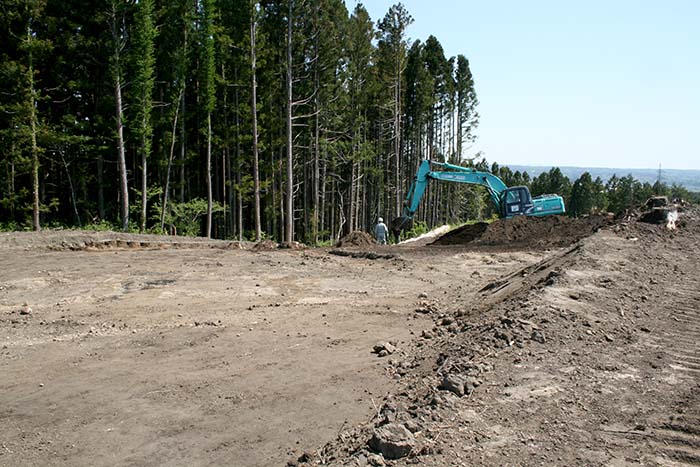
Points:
393	441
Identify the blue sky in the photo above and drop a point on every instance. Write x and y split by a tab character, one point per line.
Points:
591	84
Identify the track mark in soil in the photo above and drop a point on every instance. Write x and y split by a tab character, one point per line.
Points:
678	441
685	344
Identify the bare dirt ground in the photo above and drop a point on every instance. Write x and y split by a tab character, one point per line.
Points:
127	350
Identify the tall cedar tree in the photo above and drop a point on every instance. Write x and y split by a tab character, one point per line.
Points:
392	48
144	35
209	98
78	125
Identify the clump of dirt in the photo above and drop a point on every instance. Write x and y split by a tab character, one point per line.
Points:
361	254
549	231
356	238
265	245
291	246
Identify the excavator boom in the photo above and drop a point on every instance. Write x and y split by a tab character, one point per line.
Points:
510	202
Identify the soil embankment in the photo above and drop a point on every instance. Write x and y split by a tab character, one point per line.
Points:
526	232
588	357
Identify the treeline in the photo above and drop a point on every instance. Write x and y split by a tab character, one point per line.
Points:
288	119
582	196
586	195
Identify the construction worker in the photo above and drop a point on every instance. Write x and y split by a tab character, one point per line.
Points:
381	232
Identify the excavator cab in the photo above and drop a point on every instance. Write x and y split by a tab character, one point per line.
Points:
516	201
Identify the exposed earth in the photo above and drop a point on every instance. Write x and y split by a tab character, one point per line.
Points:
140	350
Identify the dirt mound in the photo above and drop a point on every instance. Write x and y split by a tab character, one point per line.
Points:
265	245
292	246
690	213
550	231
461	235
86	240
356	238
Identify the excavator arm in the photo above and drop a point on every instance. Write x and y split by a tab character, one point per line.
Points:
456	173
513	201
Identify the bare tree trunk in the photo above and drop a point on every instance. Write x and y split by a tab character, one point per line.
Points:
289	231
72	189
124	188
225	159
35	149
100	188
351	199
209	191
144	185
183	133
331	230
397	142
183	148
256	169
323	197
11	179
239	198
317	174
358	197
166	189
121	156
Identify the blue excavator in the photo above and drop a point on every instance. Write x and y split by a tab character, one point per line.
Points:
510	202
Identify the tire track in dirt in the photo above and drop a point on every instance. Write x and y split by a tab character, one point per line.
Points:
678	441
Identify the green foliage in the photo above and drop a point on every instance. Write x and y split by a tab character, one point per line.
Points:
582	196
13	226
144	35
186	218
552	182
361	93
208	54
249	235
625	193
467	116
419	228
102	226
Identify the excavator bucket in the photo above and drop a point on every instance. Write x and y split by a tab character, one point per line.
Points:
399	224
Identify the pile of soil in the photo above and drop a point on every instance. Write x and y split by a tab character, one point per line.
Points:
265	245
85	240
356	238
292	246
549	231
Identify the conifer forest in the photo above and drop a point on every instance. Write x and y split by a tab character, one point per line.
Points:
295	120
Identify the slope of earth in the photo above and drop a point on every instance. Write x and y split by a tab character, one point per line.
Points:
526	232
146	352
589	358
104	240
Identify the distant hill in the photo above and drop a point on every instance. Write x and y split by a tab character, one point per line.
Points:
690	179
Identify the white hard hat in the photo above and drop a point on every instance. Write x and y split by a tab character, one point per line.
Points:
381	220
